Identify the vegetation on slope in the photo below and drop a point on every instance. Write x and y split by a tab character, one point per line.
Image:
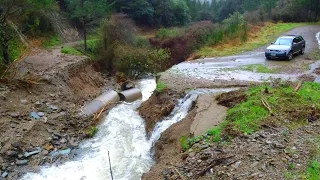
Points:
279	105
71	51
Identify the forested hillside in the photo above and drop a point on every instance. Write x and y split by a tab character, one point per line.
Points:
25	24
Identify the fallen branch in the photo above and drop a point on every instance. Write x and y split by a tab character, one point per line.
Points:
266	105
213	163
110	166
178	173
270	127
97	115
298	86
104	108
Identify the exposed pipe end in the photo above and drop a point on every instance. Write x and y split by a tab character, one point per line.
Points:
130	95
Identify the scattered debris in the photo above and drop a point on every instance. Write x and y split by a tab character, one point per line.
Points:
61	152
21	162
28	154
40	114
35	115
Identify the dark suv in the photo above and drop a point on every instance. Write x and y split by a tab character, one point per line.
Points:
286	47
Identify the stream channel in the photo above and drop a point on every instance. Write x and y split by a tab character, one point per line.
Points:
123	134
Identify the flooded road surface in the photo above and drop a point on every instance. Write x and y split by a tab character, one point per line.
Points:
231	68
252	66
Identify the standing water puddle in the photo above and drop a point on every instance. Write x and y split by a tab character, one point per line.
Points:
123	134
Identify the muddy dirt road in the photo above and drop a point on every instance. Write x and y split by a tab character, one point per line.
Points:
245	68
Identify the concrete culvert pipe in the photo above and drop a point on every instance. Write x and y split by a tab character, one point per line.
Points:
97	104
127	85
130	95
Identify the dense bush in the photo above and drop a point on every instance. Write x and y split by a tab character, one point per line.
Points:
165	33
125	52
36	24
116	30
136	62
191	39
233	27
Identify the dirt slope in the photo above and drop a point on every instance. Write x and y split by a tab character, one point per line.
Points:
40	109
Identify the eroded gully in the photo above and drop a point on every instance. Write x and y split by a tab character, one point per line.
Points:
123	134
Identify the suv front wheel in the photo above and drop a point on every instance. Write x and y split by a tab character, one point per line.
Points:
302	51
289	56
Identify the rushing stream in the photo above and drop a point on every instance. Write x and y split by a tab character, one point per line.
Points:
123	134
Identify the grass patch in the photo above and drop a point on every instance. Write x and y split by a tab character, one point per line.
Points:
71	50
257	68
313	171
184	143
93	46
52	41
289	108
161	86
314	55
165	33
257	37
91	131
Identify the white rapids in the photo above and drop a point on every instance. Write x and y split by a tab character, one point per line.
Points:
123	134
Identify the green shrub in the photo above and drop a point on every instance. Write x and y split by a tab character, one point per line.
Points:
141	41
161	86
165	33
71	51
117	30
16	48
136	62
233	27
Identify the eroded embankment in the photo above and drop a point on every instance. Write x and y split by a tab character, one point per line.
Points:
271	132
198	121
39	115
158	106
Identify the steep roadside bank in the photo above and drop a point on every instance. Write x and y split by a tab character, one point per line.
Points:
206	113
168	146
158	106
40	110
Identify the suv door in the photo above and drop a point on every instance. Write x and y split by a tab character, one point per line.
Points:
296	45
302	42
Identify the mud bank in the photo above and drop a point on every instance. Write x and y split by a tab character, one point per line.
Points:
40	121
168	150
168	146
157	107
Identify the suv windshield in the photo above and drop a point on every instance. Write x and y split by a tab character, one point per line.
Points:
283	41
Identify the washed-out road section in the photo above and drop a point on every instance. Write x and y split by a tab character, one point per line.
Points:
230	71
